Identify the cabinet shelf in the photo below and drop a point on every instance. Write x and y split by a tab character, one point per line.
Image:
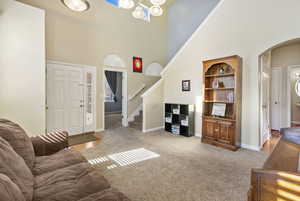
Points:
219	88
219	118
225	102
220	75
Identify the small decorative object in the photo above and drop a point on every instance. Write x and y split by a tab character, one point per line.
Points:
176	129
219	109
221	84
186	85
169	119
185	122
215	84
230	97
176	111
137	64
222	70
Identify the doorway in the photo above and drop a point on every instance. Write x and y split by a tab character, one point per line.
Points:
293	96
71	98
115	98
279	104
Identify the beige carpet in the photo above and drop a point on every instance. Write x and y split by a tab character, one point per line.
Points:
186	170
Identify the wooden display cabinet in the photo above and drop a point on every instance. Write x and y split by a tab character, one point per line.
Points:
222	86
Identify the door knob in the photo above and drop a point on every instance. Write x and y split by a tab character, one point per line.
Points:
81	105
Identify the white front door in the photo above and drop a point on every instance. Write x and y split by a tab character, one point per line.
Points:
75	100
56	98
276	98
65	106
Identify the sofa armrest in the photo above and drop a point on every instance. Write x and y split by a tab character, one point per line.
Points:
291	134
267	185
50	143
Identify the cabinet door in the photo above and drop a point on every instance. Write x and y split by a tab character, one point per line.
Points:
226	132
210	129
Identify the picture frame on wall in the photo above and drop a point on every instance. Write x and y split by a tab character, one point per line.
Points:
137	65
186	85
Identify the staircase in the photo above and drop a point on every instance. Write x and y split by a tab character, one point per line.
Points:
137	123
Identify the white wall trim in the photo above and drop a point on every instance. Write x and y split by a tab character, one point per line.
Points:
198	135
98	130
148	92
250	147
153	129
124	94
192	37
135	113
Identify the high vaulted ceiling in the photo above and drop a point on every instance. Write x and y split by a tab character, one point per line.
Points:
100	10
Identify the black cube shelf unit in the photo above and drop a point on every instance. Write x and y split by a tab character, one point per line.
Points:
180	119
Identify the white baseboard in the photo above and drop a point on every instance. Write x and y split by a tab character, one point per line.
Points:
135	113
250	147
98	130
198	135
153	129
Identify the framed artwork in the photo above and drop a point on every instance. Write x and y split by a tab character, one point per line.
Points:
137	65
218	109
186	85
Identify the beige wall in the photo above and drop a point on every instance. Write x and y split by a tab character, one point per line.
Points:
86	38
153	107
285	56
242	27
22	61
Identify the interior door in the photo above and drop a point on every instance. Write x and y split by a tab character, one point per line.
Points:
265	97
276	98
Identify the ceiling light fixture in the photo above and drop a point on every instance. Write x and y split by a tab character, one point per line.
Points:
138	13
158	2
76	5
156	11
127	4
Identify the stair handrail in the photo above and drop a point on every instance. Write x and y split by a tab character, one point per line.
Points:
137	92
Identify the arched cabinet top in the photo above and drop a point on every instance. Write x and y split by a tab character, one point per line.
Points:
219	68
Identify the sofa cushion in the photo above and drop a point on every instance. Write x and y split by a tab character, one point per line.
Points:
16	169
9	191
69	184
106	195
19	140
56	161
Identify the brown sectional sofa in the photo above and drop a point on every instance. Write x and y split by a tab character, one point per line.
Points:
41	169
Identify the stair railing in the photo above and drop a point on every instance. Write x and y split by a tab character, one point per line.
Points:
135	94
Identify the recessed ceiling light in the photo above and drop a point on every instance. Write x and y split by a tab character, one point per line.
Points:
76	5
